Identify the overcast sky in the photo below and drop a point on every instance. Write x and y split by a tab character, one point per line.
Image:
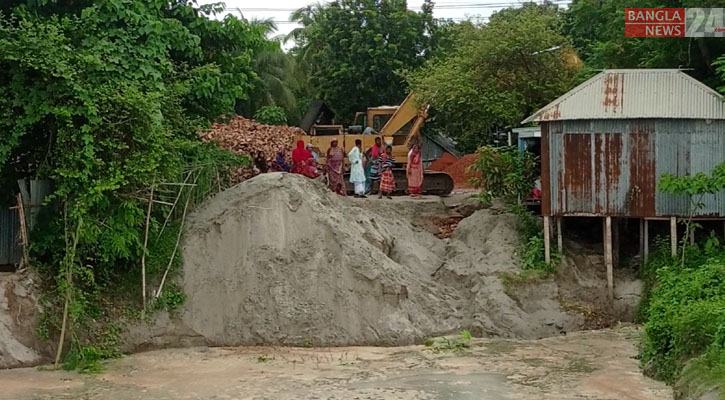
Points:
280	10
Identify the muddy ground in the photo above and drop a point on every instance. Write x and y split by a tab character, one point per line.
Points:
582	365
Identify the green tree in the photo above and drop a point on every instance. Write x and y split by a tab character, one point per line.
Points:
276	80
695	188
596	29
356	49
105	98
497	74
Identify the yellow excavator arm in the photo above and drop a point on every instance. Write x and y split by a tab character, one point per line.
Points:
407	111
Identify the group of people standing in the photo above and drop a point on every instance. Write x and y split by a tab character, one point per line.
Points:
370	170
374	167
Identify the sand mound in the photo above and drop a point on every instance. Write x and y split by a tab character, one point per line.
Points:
278	259
459	171
19	311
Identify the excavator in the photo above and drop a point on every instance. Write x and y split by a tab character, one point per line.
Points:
398	126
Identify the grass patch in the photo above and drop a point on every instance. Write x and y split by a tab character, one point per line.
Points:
446	344
703	375
511	280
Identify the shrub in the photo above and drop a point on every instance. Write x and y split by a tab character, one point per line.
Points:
531	249
271	115
504	172
684	311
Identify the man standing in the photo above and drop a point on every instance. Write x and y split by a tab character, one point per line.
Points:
357	174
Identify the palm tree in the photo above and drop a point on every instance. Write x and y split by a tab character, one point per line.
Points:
308	16
276	79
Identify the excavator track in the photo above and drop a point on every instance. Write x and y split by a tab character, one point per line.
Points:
434	183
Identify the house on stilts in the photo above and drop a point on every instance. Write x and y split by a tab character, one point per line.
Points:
606	143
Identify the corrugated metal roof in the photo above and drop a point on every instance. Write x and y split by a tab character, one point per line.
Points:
527	132
444	142
635	93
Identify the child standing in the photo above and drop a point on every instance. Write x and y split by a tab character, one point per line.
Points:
387	180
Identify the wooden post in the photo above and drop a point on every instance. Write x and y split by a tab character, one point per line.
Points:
646	240
559	236
23	232
673	235
691	234
608	257
547	238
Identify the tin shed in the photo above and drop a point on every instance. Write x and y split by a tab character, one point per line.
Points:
605	143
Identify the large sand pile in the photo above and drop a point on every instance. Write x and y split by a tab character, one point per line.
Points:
19	313
278	259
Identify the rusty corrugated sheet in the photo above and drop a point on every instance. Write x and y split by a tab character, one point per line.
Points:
577	173
546	183
642	179
10	251
686	148
602	167
611	167
635	93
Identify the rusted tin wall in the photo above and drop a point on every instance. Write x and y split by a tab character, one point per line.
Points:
687	148
10	252
610	167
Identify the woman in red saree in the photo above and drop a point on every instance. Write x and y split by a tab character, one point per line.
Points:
303	162
414	171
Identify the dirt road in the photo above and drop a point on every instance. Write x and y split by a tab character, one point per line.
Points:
583	365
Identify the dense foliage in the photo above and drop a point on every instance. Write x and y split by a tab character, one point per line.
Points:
105	98
271	115
504	172
684	315
356	49
497	74
694	188
596	29
684	298
277	81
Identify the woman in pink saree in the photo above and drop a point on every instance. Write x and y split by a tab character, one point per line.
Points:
335	159
414	171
